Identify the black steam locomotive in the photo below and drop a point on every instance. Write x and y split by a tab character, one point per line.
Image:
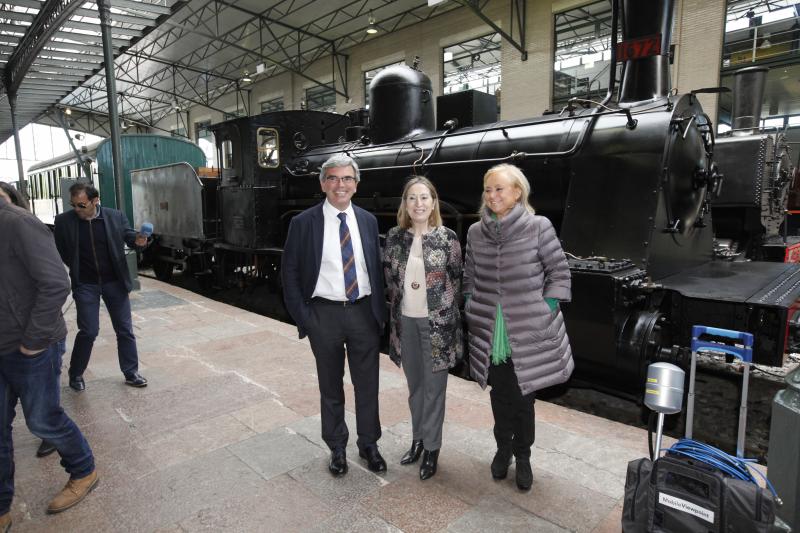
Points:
750	212
627	185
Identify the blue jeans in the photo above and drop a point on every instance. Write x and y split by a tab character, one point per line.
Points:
87	302
34	381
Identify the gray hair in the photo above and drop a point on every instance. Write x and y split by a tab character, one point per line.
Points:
336	161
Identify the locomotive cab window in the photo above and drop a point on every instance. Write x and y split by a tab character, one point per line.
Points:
227	154
267	139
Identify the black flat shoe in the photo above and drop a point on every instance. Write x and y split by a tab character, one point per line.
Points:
45	449
77	384
500	463
134	379
524	475
338	462
374	460
428	467
412	455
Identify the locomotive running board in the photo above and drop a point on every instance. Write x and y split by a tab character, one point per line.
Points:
758	297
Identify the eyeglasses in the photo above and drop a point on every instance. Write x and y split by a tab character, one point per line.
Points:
343	179
79	205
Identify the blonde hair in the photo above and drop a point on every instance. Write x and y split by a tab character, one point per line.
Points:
517	179
403	219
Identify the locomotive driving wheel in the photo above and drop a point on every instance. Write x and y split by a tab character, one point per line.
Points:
644	335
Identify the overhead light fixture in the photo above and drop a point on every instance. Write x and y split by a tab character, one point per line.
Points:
68	111
246	78
372	28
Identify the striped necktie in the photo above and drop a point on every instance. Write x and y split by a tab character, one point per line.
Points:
348	260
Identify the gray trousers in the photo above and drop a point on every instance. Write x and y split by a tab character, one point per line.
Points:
426	388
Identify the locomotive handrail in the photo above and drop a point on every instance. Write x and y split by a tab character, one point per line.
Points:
494	126
514	156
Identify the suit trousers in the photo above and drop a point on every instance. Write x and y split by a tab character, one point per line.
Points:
514	416
333	331
87	298
426	388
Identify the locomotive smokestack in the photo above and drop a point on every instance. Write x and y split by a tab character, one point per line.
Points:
646	35
748	94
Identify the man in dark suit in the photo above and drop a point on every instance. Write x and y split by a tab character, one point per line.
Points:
333	289
91	241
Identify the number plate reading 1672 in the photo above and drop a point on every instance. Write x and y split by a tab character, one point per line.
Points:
639	48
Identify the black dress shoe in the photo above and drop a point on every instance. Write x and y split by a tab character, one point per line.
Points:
428	467
76	383
413	453
45	449
338	462
374	460
524	475
500	463
134	379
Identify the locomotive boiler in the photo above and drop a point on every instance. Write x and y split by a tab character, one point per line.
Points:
626	183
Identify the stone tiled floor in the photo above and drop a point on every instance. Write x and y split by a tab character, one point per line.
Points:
226	437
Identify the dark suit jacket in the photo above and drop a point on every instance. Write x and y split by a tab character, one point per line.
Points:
119	234
302	257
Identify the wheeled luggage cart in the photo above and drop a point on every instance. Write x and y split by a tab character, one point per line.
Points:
738	344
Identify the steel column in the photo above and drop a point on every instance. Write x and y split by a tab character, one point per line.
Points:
12	101
111	93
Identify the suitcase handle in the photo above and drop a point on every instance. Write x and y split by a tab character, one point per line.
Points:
745	352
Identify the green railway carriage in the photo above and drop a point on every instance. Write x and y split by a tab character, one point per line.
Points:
48	181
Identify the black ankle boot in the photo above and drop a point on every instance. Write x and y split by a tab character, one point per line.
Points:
524	474
413	453
500	463
428	467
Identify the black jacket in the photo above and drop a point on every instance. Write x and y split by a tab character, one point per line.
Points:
301	263
33	283
119	234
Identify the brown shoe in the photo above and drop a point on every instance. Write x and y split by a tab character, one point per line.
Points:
73	492
5	522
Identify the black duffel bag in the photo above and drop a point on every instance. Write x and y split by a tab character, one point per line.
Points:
677	494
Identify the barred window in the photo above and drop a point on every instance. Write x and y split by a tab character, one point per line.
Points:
274	104
582	54
321	98
473	64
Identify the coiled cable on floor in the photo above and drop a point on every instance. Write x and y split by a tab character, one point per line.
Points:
735	467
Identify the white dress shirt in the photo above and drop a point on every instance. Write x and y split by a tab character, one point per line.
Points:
330	283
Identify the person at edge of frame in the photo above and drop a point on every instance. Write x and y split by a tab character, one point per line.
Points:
33	289
91	240
422	266
515	274
333	290
16	198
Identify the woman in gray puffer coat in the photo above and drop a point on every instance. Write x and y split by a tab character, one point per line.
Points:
515	275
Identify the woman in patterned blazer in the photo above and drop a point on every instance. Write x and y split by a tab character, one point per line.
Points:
422	266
